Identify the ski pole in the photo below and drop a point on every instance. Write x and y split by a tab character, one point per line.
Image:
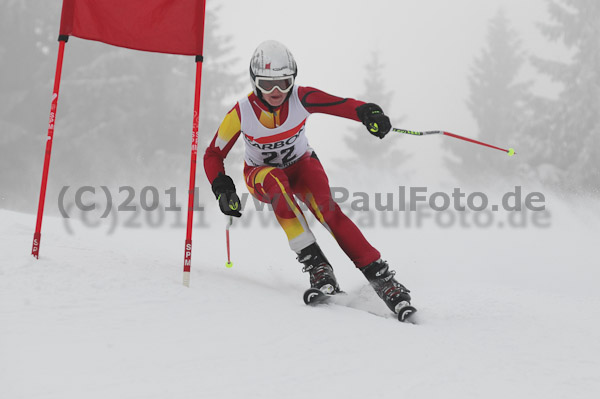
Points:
510	151
229	264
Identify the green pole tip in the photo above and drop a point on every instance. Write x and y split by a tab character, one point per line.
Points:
511	152
229	265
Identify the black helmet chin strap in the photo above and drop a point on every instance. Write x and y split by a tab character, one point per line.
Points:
259	94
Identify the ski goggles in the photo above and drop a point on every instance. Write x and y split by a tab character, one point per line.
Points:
267	85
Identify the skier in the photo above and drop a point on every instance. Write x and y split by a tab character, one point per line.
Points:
280	164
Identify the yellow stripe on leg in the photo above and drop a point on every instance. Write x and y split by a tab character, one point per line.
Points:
317	210
293	227
262	175
289	201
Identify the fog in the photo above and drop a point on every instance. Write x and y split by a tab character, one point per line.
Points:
499	251
124	117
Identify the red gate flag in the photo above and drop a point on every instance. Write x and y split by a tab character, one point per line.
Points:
162	26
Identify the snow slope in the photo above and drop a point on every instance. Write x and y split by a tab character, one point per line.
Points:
504	313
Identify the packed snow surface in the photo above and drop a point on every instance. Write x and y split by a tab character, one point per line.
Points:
504	313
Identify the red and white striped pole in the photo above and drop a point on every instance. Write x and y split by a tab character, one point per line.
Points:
227	226
187	260
35	250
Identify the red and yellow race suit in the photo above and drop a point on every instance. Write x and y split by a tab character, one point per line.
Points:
280	165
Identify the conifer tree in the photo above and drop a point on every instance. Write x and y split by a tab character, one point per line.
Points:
498	103
567	132
373	154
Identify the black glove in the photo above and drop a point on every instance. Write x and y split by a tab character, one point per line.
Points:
372	116
224	190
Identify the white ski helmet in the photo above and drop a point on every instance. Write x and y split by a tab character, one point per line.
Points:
273	62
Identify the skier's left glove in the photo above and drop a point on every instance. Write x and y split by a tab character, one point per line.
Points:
372	116
224	191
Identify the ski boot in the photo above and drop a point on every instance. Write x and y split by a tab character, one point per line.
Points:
395	295
319	269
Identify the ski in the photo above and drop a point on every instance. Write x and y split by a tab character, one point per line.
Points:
405	314
314	297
